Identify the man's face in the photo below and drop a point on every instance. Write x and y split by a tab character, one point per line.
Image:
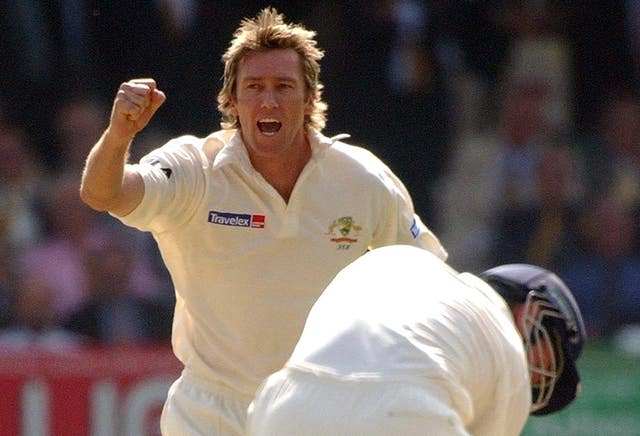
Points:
271	102
544	365
539	346
541	361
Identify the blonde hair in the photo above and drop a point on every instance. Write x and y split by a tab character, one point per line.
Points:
268	31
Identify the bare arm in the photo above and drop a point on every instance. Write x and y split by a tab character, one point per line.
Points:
108	183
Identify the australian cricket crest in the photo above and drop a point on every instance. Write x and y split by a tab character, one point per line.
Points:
344	231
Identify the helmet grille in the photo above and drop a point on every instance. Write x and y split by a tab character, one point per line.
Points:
542	344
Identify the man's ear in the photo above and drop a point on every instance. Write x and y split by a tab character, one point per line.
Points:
308	106
234	109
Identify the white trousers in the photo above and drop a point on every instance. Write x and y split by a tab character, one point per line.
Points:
297	402
197	407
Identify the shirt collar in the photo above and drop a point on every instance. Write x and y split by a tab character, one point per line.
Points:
320	143
232	149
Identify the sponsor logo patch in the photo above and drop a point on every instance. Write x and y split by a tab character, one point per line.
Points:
236	219
167	171
415	230
257	221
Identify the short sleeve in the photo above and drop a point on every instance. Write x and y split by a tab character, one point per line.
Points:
401	224
174	182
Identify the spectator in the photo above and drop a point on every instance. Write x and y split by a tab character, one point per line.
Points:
509	70
543	231
45	54
78	123
492	169
619	129
603	55
56	260
71	228
20	222
32	323
613	153
410	115
606	276
112	313
8	283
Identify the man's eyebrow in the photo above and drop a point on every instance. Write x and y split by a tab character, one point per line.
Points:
278	78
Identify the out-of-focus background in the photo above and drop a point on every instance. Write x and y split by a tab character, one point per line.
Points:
514	124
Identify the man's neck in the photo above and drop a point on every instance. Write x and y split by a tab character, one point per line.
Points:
282	173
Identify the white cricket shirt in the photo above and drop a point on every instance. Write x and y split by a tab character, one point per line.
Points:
399	313
246	266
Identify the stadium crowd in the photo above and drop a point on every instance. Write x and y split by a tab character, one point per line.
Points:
515	126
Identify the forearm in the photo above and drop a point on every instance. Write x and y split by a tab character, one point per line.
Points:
107	182
103	179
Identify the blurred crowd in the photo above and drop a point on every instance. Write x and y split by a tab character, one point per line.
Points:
514	124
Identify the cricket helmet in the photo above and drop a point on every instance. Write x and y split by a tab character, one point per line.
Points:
553	331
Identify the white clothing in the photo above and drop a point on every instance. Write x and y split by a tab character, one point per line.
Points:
246	265
197	407
399	314
299	402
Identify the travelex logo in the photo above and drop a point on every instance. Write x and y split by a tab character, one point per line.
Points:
236	219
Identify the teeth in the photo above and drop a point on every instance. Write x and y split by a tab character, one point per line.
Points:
269	126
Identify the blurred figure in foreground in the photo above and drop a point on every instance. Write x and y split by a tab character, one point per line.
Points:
399	343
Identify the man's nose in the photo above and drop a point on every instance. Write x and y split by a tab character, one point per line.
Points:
269	98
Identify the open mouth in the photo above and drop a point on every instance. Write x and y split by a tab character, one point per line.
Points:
269	126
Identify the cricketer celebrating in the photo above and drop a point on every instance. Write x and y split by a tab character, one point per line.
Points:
252	221
401	344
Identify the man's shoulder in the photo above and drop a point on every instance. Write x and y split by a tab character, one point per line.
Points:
215	142
179	144
357	155
193	148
